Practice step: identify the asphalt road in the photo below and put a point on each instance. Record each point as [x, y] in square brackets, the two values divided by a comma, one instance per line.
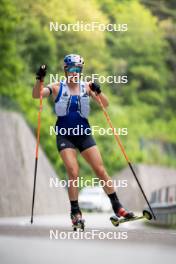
[51, 240]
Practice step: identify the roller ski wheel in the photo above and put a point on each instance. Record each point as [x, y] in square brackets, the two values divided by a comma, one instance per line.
[78, 222]
[114, 220]
[117, 219]
[147, 215]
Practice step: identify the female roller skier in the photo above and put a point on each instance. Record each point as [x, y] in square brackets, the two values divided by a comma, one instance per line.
[71, 99]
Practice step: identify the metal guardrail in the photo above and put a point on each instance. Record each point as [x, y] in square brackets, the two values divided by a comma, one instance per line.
[165, 214]
[163, 202]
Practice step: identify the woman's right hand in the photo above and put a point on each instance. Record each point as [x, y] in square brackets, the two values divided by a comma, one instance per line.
[52, 88]
[41, 72]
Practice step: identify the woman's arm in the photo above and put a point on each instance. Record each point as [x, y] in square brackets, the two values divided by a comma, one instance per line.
[46, 91]
[50, 89]
[36, 90]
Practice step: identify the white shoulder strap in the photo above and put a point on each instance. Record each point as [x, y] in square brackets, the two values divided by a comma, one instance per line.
[65, 89]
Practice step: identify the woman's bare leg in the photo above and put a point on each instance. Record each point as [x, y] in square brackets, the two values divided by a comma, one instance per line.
[93, 157]
[69, 157]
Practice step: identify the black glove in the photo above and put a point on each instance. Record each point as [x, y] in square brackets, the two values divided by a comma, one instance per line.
[95, 87]
[41, 72]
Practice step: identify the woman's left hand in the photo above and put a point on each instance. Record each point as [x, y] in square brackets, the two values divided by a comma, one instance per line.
[95, 87]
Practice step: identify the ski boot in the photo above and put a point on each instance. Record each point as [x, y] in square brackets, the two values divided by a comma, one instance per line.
[121, 214]
[124, 213]
[77, 221]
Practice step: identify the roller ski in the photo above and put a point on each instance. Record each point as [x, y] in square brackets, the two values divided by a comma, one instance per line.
[77, 222]
[129, 216]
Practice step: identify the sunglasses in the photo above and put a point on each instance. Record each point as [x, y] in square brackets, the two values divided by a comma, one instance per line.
[74, 69]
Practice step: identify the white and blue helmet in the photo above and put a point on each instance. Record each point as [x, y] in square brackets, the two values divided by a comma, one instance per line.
[73, 60]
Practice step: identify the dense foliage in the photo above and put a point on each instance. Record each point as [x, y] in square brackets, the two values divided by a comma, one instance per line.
[145, 53]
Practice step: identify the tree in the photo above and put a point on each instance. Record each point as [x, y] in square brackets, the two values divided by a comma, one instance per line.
[11, 64]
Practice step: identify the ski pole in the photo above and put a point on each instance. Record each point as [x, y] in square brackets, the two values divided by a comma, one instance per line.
[124, 153]
[36, 152]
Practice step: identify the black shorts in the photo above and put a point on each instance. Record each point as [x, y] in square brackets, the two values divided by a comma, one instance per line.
[76, 142]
